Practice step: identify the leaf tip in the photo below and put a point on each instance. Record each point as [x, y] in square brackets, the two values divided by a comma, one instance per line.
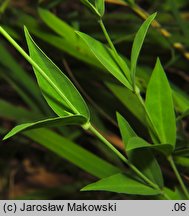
[6, 137]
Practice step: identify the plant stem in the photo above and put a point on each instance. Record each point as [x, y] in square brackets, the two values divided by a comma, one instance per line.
[108, 37]
[123, 158]
[116, 55]
[171, 161]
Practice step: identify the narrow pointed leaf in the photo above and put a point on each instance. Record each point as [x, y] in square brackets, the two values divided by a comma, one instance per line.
[91, 7]
[62, 146]
[105, 56]
[60, 93]
[51, 122]
[126, 131]
[159, 103]
[121, 183]
[139, 143]
[100, 6]
[138, 42]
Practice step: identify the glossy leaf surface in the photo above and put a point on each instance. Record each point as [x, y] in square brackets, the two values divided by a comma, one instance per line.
[159, 103]
[105, 56]
[60, 93]
[138, 42]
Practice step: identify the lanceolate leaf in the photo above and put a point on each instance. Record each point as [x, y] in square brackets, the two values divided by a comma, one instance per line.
[121, 183]
[100, 6]
[91, 7]
[137, 44]
[159, 103]
[51, 122]
[57, 89]
[126, 131]
[105, 56]
[139, 143]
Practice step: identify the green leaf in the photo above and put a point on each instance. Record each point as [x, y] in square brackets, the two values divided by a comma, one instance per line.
[176, 194]
[120, 183]
[148, 166]
[91, 7]
[60, 93]
[137, 44]
[105, 56]
[77, 50]
[100, 6]
[137, 143]
[61, 146]
[51, 122]
[126, 131]
[72, 152]
[159, 104]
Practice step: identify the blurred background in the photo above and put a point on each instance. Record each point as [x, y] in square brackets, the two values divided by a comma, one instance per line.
[33, 166]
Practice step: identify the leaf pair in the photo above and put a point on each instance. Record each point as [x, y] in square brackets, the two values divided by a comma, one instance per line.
[59, 92]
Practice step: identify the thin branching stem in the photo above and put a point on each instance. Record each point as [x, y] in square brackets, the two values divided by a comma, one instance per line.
[152, 126]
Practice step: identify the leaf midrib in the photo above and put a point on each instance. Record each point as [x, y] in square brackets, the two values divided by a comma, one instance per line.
[53, 85]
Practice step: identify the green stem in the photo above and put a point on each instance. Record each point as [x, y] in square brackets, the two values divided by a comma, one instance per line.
[35, 65]
[171, 161]
[108, 37]
[115, 53]
[122, 157]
